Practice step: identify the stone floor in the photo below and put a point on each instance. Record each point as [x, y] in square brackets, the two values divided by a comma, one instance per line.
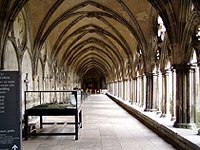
[106, 126]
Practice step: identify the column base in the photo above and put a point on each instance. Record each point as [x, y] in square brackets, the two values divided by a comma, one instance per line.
[198, 132]
[165, 115]
[185, 125]
[150, 109]
[173, 118]
[158, 112]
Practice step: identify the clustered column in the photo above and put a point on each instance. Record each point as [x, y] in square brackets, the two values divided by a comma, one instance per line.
[184, 96]
[149, 90]
[173, 103]
[174, 93]
[166, 94]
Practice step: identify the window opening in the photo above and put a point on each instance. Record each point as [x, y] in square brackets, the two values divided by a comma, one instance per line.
[198, 33]
[161, 29]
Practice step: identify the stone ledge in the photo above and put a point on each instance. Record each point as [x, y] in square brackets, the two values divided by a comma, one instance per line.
[170, 136]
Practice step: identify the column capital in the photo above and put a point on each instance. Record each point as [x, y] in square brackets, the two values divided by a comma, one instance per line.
[151, 74]
[165, 71]
[134, 78]
[148, 74]
[125, 79]
[182, 67]
[35, 77]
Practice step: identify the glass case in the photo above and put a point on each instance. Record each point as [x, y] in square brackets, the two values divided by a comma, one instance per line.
[53, 99]
[53, 103]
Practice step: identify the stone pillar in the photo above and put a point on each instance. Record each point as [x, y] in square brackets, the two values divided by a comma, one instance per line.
[131, 90]
[137, 90]
[165, 100]
[191, 96]
[128, 90]
[118, 89]
[159, 103]
[35, 96]
[26, 81]
[115, 88]
[197, 101]
[123, 89]
[34, 83]
[155, 92]
[143, 89]
[149, 93]
[134, 82]
[173, 104]
[184, 100]
[38, 83]
[44, 87]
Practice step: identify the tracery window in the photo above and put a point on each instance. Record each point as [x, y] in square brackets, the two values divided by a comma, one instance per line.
[139, 55]
[157, 56]
[161, 29]
[198, 33]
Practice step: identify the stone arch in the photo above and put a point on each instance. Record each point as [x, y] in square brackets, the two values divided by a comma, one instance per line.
[46, 76]
[39, 77]
[26, 76]
[10, 57]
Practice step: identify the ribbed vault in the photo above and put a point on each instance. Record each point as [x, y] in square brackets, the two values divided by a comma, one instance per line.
[85, 26]
[89, 35]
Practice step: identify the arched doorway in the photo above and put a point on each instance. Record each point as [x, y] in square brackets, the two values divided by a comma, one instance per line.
[93, 81]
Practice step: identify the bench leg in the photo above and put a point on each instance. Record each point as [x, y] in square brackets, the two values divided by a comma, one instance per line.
[76, 126]
[41, 125]
[80, 118]
[26, 127]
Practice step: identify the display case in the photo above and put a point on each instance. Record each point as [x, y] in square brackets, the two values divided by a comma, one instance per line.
[53, 103]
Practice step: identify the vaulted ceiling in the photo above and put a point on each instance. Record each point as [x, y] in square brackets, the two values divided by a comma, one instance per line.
[82, 34]
[88, 34]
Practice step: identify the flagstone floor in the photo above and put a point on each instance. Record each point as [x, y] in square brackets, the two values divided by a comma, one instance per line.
[106, 126]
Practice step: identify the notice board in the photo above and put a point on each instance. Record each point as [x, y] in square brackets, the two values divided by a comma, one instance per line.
[10, 110]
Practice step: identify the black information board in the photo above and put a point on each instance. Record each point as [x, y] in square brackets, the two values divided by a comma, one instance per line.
[10, 110]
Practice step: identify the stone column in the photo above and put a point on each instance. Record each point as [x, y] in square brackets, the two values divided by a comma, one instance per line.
[35, 86]
[44, 80]
[26, 81]
[143, 89]
[123, 89]
[118, 88]
[149, 93]
[155, 92]
[166, 100]
[131, 90]
[139, 90]
[191, 96]
[128, 90]
[34, 83]
[196, 100]
[173, 104]
[115, 88]
[38, 82]
[183, 97]
[134, 90]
